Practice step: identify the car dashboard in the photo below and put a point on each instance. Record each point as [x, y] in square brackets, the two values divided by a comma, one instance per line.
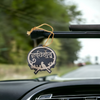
[46, 90]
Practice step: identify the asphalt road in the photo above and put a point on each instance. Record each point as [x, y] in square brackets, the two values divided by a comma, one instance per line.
[85, 71]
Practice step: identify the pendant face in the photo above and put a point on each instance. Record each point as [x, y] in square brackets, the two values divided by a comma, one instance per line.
[41, 59]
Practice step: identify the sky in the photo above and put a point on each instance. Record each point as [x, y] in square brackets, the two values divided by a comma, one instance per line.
[91, 13]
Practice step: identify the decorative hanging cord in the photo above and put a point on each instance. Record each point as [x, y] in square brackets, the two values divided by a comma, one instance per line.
[38, 28]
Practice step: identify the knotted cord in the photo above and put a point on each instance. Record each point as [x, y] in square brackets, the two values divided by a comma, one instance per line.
[38, 28]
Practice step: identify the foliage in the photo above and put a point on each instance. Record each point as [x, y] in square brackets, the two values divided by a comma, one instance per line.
[18, 16]
[56, 46]
[70, 48]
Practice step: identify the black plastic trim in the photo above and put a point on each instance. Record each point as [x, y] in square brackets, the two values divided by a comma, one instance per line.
[82, 83]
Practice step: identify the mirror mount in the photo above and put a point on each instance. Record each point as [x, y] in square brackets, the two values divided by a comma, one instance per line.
[76, 31]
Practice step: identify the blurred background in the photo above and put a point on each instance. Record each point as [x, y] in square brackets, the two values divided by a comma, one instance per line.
[19, 16]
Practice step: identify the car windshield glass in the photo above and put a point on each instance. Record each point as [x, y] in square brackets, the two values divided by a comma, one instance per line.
[76, 57]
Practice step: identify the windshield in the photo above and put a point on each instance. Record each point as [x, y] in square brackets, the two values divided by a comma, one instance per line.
[77, 58]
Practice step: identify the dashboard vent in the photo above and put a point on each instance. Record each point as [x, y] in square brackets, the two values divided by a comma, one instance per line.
[64, 97]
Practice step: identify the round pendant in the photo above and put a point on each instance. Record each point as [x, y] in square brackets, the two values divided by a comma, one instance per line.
[41, 59]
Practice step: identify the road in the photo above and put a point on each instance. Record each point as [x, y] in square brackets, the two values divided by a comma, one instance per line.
[85, 71]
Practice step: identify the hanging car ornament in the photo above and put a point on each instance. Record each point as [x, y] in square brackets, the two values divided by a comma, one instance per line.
[42, 58]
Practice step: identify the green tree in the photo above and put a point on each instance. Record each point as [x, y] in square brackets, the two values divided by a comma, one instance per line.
[70, 48]
[19, 16]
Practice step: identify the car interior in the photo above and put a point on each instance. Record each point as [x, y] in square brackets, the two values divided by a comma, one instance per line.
[43, 89]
